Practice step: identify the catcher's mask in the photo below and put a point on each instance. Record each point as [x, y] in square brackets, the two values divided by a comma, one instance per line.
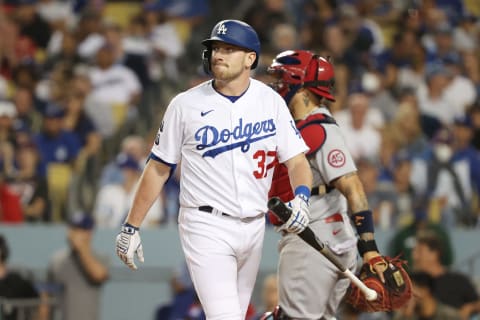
[234, 32]
[295, 69]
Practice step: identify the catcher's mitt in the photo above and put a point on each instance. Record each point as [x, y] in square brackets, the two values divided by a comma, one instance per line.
[393, 294]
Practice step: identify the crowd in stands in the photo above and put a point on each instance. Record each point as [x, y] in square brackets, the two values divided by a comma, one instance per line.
[78, 83]
[83, 91]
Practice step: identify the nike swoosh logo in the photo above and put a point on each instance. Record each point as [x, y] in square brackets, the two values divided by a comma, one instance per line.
[204, 113]
[335, 232]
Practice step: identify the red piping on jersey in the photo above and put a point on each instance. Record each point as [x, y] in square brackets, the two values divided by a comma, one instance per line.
[336, 217]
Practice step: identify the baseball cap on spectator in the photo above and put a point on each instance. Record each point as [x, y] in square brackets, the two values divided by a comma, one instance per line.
[434, 69]
[26, 2]
[443, 136]
[126, 161]
[464, 121]
[81, 220]
[452, 58]
[401, 157]
[7, 109]
[53, 110]
[155, 5]
[444, 29]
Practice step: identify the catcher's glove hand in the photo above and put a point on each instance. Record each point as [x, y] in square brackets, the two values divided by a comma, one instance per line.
[393, 294]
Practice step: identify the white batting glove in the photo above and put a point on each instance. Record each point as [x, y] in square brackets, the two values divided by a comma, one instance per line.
[128, 244]
[299, 219]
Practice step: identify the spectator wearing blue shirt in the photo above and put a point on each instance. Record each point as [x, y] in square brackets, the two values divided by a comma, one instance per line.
[56, 145]
[58, 150]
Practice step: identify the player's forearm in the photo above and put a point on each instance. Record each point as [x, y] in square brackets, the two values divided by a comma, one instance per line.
[151, 183]
[94, 269]
[351, 187]
[299, 172]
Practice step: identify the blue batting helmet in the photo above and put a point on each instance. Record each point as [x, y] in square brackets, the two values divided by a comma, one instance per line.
[235, 32]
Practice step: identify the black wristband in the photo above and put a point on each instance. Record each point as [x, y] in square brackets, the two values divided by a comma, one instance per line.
[129, 229]
[366, 245]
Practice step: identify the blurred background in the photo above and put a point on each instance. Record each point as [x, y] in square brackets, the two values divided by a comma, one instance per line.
[83, 88]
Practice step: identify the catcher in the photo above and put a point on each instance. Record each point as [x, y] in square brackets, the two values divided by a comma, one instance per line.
[310, 286]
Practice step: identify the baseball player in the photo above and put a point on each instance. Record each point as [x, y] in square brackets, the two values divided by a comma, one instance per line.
[226, 134]
[310, 286]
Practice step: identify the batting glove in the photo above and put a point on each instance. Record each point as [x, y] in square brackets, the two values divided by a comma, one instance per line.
[128, 244]
[299, 219]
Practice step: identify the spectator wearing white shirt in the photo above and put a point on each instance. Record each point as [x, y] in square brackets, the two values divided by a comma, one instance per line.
[114, 200]
[115, 93]
[360, 124]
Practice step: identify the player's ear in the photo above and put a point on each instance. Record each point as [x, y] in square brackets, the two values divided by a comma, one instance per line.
[250, 58]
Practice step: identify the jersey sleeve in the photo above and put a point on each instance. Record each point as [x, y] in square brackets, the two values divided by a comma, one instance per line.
[333, 158]
[168, 142]
[290, 141]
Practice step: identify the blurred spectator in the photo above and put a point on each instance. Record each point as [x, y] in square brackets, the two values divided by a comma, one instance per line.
[88, 162]
[381, 100]
[405, 238]
[283, 37]
[448, 178]
[166, 42]
[184, 302]
[404, 202]
[264, 16]
[359, 125]
[114, 200]
[28, 115]
[58, 149]
[13, 285]
[368, 174]
[138, 48]
[431, 96]
[451, 288]
[424, 305]
[269, 295]
[88, 33]
[466, 33]
[471, 68]
[79, 271]
[429, 124]
[408, 126]
[474, 114]
[132, 145]
[115, 93]
[402, 63]
[58, 14]
[461, 91]
[31, 24]
[335, 46]
[8, 113]
[31, 188]
[66, 53]
[442, 46]
[364, 39]
[76, 120]
[10, 203]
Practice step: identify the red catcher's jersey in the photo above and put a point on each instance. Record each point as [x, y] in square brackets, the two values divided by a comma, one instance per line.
[313, 133]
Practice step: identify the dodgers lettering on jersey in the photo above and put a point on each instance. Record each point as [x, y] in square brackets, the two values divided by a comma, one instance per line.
[227, 150]
[242, 136]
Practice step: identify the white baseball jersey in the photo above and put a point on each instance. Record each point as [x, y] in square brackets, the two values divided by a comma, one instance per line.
[227, 150]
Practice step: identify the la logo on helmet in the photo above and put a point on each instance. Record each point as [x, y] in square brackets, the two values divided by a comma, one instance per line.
[222, 29]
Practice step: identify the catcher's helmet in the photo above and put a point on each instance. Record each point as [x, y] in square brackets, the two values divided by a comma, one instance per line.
[297, 69]
[233, 32]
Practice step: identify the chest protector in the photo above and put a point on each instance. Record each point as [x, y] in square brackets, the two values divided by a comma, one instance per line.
[314, 135]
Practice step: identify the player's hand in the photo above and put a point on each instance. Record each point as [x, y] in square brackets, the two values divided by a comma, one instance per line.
[128, 244]
[299, 219]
